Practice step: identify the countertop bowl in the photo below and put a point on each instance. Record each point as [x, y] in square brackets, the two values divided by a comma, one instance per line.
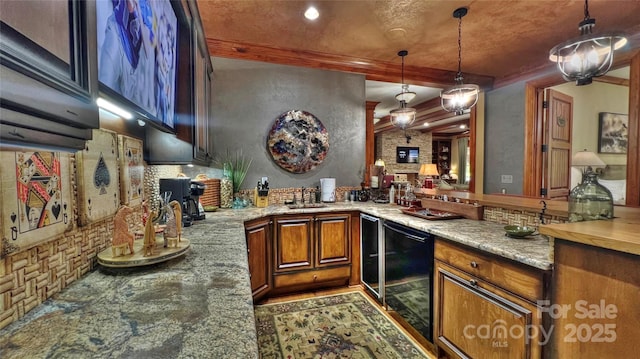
[519, 231]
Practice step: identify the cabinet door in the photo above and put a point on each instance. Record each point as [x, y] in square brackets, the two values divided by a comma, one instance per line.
[333, 243]
[258, 237]
[202, 83]
[48, 72]
[293, 244]
[476, 320]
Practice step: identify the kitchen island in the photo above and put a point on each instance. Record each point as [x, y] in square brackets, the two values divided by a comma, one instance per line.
[200, 306]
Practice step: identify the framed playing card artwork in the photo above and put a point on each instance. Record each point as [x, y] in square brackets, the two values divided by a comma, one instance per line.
[98, 182]
[131, 170]
[37, 202]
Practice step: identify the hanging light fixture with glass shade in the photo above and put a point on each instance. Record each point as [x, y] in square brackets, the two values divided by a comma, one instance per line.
[460, 97]
[588, 55]
[403, 116]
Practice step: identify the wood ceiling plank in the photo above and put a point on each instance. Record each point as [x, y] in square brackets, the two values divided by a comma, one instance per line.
[374, 70]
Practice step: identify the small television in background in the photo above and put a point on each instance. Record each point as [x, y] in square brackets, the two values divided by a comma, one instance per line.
[138, 56]
[407, 154]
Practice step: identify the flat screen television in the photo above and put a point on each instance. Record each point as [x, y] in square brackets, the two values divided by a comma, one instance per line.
[407, 154]
[138, 50]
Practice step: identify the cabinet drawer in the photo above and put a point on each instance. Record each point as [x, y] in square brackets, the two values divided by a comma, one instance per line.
[527, 282]
[311, 276]
[474, 319]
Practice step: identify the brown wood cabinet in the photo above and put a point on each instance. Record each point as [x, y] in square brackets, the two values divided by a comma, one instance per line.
[311, 250]
[596, 302]
[485, 306]
[258, 237]
[441, 152]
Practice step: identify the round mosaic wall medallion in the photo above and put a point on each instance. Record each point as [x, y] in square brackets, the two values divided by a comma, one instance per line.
[298, 141]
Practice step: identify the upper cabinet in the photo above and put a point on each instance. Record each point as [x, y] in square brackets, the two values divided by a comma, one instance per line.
[190, 144]
[442, 155]
[202, 92]
[48, 73]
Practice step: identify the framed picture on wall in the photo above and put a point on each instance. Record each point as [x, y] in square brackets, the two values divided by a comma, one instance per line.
[407, 154]
[613, 132]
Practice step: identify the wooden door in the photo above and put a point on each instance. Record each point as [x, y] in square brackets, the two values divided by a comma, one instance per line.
[293, 244]
[557, 156]
[258, 237]
[333, 243]
[474, 319]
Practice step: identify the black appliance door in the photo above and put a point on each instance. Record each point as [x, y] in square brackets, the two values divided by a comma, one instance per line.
[370, 259]
[408, 286]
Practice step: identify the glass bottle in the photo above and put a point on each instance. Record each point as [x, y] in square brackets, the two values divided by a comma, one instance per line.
[590, 200]
[226, 187]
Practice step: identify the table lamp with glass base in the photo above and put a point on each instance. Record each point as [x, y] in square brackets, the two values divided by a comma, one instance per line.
[431, 171]
[589, 200]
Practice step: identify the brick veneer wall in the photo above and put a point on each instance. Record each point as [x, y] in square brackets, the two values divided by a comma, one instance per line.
[387, 142]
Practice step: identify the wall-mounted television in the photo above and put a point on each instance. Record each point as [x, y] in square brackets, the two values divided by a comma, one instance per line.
[407, 154]
[138, 49]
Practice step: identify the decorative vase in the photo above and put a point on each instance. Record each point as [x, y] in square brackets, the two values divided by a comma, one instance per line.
[226, 187]
[590, 200]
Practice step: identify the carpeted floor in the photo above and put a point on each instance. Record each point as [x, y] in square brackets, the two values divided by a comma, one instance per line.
[345, 325]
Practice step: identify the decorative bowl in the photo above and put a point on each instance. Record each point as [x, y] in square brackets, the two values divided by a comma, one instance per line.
[519, 231]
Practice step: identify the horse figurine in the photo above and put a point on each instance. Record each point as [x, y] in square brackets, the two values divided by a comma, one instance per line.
[149, 236]
[121, 236]
[173, 229]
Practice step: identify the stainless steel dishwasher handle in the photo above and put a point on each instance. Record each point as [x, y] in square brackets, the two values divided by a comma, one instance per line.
[371, 218]
[406, 234]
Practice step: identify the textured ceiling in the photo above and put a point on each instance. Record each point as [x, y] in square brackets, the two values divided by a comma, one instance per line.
[500, 38]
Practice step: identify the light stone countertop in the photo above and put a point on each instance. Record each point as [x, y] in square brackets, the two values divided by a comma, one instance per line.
[200, 305]
[534, 251]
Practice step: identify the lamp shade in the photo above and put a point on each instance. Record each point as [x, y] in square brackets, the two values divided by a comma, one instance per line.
[429, 169]
[379, 162]
[586, 158]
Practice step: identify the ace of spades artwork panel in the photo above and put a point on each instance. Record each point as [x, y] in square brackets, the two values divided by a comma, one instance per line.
[37, 202]
[98, 177]
[131, 170]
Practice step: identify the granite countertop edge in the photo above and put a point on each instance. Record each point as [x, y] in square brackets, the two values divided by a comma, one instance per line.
[535, 251]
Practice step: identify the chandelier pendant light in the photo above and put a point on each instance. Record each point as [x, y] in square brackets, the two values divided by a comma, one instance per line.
[588, 55]
[459, 97]
[403, 116]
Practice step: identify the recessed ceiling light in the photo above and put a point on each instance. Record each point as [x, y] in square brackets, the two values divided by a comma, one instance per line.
[426, 124]
[311, 13]
[463, 126]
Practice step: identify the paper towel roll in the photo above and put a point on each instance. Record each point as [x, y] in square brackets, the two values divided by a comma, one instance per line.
[328, 189]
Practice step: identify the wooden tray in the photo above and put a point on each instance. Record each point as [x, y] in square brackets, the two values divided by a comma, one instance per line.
[467, 210]
[430, 214]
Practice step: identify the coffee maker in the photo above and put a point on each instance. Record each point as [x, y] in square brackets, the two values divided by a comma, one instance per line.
[193, 204]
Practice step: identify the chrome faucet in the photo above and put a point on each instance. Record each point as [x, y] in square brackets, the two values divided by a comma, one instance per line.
[302, 195]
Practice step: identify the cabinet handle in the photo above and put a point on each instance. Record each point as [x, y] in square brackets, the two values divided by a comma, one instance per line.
[315, 277]
[473, 282]
[474, 264]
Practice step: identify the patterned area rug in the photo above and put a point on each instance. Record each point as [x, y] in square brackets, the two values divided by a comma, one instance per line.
[408, 299]
[340, 326]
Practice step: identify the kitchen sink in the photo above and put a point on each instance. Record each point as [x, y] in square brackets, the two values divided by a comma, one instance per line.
[306, 205]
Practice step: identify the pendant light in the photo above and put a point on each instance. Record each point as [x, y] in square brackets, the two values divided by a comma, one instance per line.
[588, 55]
[403, 116]
[460, 97]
